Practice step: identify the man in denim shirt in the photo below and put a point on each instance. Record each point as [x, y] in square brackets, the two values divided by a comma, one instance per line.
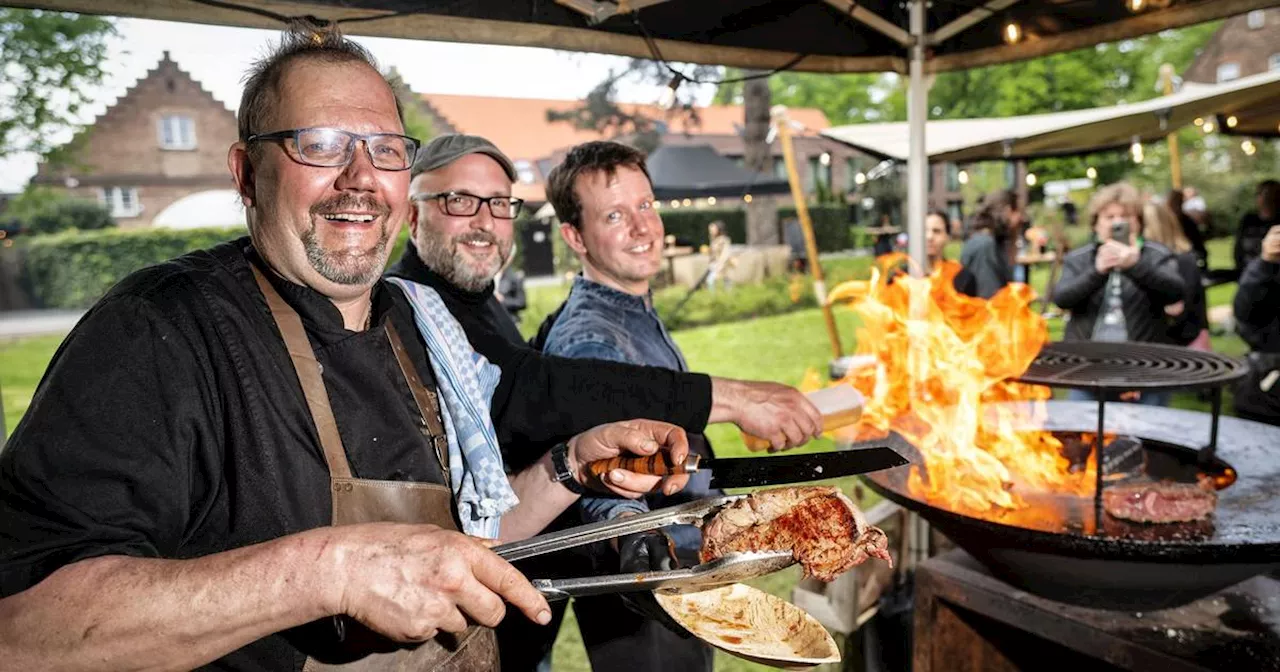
[604, 199]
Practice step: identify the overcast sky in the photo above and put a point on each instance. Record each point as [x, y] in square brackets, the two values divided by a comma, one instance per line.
[216, 56]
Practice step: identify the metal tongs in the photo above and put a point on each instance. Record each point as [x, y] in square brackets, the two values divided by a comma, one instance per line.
[731, 568]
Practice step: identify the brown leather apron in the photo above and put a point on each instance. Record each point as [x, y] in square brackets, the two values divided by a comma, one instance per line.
[360, 500]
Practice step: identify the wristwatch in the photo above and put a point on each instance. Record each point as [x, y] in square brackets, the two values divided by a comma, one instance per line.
[560, 466]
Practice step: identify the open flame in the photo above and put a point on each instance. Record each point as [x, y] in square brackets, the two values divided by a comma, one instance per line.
[942, 362]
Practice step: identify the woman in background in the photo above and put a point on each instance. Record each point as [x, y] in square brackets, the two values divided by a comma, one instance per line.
[1189, 319]
[937, 235]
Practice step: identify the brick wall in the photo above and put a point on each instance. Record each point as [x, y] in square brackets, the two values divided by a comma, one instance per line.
[1236, 42]
[122, 148]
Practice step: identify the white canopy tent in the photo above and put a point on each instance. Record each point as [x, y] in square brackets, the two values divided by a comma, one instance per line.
[1063, 133]
[217, 207]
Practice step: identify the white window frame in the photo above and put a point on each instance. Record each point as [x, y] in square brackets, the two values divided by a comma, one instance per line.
[1228, 71]
[1257, 19]
[121, 201]
[177, 132]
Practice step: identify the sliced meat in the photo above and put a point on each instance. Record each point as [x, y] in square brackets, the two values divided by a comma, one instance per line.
[823, 529]
[1163, 502]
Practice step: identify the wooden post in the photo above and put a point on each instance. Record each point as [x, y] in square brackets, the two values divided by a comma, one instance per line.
[783, 124]
[1175, 160]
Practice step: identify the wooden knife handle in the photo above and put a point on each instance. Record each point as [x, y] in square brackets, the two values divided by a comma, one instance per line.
[657, 464]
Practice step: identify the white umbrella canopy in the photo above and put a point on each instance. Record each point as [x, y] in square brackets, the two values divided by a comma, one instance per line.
[218, 207]
[1075, 132]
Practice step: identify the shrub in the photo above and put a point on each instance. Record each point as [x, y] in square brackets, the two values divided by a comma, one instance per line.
[74, 269]
[77, 214]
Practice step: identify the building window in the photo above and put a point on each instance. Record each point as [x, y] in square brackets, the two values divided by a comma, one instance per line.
[955, 213]
[177, 132]
[850, 174]
[524, 172]
[953, 176]
[780, 168]
[121, 201]
[819, 174]
[1273, 62]
[1257, 19]
[1228, 71]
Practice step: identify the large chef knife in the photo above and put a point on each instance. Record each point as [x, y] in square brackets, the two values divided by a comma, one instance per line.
[747, 472]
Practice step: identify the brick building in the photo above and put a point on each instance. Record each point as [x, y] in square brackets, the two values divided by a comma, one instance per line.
[520, 127]
[1248, 44]
[164, 139]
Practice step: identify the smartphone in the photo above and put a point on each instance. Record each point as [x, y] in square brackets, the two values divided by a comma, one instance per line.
[1120, 231]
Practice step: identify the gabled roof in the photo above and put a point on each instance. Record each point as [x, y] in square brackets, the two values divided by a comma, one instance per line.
[519, 126]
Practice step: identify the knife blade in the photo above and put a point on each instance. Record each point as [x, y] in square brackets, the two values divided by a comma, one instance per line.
[747, 472]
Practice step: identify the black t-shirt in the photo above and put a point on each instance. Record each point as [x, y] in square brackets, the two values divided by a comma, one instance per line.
[171, 424]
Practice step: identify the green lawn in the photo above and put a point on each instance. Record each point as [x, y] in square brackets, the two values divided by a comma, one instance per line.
[779, 348]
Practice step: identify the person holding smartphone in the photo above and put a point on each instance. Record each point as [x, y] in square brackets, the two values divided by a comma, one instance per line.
[1117, 287]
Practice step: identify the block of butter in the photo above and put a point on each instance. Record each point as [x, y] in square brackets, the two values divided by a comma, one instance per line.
[840, 406]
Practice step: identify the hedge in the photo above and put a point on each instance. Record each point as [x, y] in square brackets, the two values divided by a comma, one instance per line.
[831, 225]
[74, 269]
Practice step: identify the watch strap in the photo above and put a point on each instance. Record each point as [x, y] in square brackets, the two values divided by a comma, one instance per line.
[560, 467]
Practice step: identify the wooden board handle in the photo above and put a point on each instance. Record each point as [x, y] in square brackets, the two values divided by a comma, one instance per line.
[840, 406]
[657, 464]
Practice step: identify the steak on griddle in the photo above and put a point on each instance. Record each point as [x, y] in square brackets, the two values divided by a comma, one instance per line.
[1163, 502]
[823, 529]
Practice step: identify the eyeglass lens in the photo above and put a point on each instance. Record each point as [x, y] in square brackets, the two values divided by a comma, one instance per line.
[466, 205]
[330, 147]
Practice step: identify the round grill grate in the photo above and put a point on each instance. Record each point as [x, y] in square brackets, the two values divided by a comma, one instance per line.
[1101, 366]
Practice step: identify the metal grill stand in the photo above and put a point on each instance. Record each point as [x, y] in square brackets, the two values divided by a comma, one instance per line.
[1103, 368]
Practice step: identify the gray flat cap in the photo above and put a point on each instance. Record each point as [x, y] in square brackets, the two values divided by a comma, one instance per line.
[445, 149]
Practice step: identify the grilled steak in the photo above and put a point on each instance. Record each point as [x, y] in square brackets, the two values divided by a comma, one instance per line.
[1163, 502]
[823, 529]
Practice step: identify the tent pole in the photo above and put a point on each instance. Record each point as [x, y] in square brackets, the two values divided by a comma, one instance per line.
[782, 123]
[917, 161]
[1175, 159]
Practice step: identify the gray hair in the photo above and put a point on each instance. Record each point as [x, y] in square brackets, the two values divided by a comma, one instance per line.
[301, 40]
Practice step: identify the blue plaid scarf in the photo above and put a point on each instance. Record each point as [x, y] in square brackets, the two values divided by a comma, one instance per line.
[466, 381]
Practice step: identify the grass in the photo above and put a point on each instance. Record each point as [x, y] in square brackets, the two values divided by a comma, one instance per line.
[779, 348]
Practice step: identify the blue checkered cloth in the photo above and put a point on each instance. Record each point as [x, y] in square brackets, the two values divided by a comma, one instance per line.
[466, 381]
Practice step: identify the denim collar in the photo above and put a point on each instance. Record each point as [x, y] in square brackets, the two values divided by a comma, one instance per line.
[615, 298]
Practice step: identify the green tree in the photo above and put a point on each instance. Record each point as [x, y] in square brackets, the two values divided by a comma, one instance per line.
[416, 122]
[52, 62]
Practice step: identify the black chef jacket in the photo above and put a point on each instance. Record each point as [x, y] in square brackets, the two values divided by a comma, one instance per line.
[622, 391]
[171, 424]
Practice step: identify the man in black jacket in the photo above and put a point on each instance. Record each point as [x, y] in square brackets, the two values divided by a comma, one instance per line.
[461, 228]
[1257, 313]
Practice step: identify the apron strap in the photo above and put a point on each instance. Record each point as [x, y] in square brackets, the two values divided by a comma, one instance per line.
[308, 369]
[428, 404]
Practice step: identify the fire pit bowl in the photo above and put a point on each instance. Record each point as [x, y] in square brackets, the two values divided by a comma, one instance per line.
[1054, 548]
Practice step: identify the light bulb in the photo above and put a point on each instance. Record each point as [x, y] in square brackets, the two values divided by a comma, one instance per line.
[824, 158]
[860, 178]
[1208, 127]
[1199, 121]
[1012, 32]
[1091, 173]
[686, 202]
[1031, 179]
[675, 203]
[1232, 121]
[747, 198]
[711, 200]
[1135, 5]
[962, 177]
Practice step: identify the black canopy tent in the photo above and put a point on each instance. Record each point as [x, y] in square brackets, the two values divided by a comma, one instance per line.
[697, 171]
[907, 36]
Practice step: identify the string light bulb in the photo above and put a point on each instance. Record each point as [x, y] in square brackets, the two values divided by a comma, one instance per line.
[711, 200]
[1012, 32]
[1248, 147]
[1136, 150]
[667, 100]
[675, 203]
[860, 179]
[1135, 6]
[747, 198]
[686, 202]
[1031, 179]
[1232, 121]
[1091, 173]
[1208, 127]
[1199, 121]
[962, 177]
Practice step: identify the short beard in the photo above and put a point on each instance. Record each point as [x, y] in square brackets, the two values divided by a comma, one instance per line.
[446, 258]
[343, 267]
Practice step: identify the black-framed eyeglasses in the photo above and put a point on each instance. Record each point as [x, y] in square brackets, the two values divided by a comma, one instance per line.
[462, 204]
[334, 147]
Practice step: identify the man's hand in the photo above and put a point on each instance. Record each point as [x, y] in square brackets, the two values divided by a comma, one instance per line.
[409, 582]
[1271, 245]
[777, 413]
[1115, 256]
[629, 438]
[1175, 309]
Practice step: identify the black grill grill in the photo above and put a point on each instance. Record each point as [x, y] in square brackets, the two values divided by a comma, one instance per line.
[1106, 367]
